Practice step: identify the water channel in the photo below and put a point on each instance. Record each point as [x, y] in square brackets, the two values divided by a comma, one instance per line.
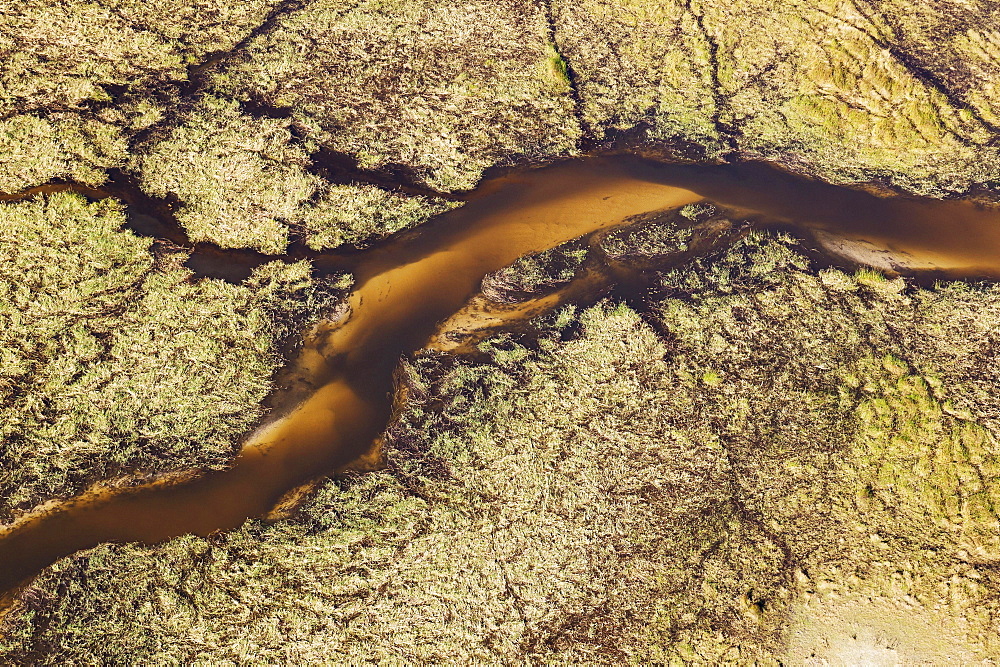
[342, 380]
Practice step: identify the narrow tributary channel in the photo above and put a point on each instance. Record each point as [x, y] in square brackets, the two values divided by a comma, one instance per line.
[407, 286]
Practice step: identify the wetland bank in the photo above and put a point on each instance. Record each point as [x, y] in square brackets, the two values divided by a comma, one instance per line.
[340, 384]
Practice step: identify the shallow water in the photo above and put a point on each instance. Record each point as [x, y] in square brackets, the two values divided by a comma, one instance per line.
[957, 238]
[341, 384]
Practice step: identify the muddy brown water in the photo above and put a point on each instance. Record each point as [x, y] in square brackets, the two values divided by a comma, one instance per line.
[343, 378]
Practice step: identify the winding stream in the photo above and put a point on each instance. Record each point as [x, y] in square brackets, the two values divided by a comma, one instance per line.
[342, 380]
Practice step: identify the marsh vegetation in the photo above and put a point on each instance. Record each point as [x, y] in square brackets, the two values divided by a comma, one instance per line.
[663, 484]
[732, 440]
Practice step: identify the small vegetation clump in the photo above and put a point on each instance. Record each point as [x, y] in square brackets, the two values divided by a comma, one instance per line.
[665, 237]
[536, 273]
[690, 483]
[240, 179]
[358, 214]
[34, 150]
